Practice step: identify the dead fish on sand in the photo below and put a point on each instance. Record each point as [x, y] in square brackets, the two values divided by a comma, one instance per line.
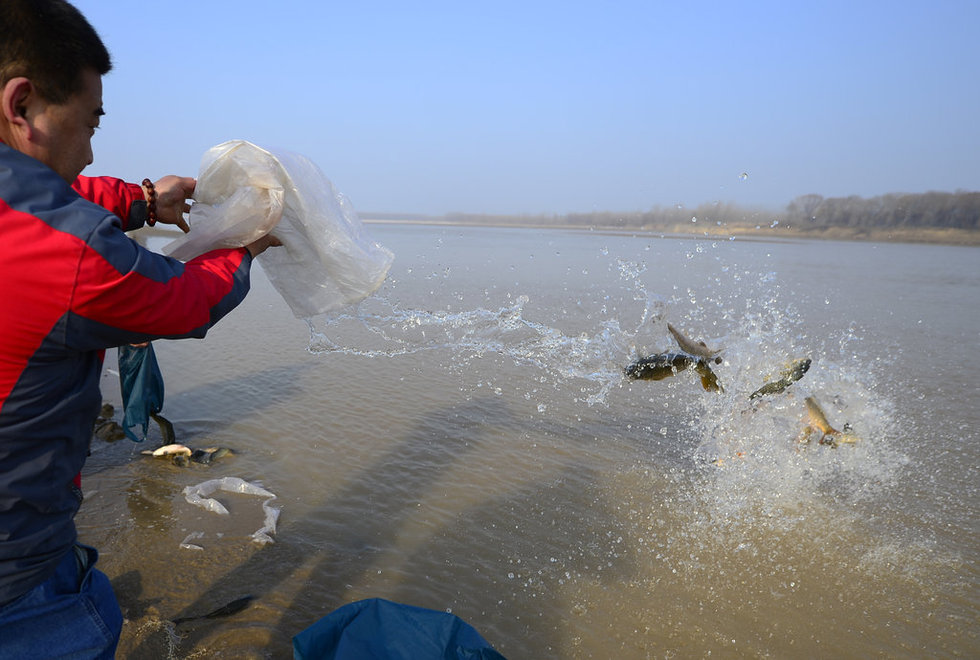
[664, 365]
[698, 349]
[817, 421]
[787, 377]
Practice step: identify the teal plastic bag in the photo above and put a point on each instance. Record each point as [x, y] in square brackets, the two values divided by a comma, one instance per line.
[141, 384]
[378, 629]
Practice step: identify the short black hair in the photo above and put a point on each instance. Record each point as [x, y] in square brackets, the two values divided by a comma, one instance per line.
[51, 43]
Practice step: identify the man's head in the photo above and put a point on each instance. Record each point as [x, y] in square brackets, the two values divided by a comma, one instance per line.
[51, 67]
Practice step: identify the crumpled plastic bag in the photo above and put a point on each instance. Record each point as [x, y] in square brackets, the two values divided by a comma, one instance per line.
[199, 495]
[238, 200]
[327, 261]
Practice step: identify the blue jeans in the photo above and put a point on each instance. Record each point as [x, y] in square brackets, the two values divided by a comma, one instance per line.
[74, 614]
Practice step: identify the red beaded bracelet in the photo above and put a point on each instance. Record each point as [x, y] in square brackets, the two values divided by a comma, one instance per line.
[151, 202]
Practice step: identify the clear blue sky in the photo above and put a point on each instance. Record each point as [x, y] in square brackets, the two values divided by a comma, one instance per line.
[553, 107]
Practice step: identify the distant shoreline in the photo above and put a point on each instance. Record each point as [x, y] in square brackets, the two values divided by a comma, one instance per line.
[927, 236]
[922, 236]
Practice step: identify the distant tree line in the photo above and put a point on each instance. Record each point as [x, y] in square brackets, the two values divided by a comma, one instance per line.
[930, 210]
[939, 210]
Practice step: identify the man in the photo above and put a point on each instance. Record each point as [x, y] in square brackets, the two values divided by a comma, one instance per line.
[71, 285]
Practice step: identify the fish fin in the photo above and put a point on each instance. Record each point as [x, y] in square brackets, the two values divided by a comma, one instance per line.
[709, 381]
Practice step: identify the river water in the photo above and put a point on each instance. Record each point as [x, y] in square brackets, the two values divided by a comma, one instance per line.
[466, 441]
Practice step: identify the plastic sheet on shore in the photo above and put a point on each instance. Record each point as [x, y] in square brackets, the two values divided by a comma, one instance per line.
[200, 495]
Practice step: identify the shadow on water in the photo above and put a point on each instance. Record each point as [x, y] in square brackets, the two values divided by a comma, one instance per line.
[515, 595]
[437, 442]
[243, 397]
[238, 398]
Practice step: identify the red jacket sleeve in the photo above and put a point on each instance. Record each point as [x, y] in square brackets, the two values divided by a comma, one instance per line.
[126, 294]
[113, 194]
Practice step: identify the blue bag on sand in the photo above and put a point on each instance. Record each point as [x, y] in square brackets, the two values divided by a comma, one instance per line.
[142, 388]
[378, 629]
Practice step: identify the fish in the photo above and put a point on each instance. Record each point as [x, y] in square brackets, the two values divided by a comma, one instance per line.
[792, 373]
[169, 450]
[166, 428]
[699, 349]
[109, 431]
[664, 365]
[181, 455]
[818, 421]
[205, 456]
[234, 607]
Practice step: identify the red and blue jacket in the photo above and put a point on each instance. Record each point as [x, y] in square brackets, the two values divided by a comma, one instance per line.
[72, 284]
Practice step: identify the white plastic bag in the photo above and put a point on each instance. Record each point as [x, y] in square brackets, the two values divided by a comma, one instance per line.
[327, 260]
[199, 495]
[238, 199]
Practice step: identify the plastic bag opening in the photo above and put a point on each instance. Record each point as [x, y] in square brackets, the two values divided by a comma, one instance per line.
[327, 260]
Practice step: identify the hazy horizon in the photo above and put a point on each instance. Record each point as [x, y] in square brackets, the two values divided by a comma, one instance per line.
[554, 108]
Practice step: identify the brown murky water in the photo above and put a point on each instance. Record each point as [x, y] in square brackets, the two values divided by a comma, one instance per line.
[466, 442]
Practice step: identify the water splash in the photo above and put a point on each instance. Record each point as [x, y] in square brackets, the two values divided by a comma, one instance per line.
[386, 331]
[582, 354]
[588, 359]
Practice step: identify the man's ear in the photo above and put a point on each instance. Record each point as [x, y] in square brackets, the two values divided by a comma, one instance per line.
[15, 100]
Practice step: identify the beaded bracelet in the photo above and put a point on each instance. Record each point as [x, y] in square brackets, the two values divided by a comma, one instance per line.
[151, 202]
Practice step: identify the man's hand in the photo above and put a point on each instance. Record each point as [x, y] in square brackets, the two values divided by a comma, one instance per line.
[257, 247]
[172, 195]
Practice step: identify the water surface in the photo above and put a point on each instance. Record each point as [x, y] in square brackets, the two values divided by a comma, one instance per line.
[465, 441]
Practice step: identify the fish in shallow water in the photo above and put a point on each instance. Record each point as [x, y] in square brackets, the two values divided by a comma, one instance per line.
[699, 349]
[205, 456]
[169, 450]
[664, 365]
[166, 428]
[817, 421]
[109, 431]
[233, 607]
[181, 455]
[787, 377]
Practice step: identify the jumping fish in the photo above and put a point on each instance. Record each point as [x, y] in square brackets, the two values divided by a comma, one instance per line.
[818, 421]
[664, 365]
[699, 349]
[787, 377]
